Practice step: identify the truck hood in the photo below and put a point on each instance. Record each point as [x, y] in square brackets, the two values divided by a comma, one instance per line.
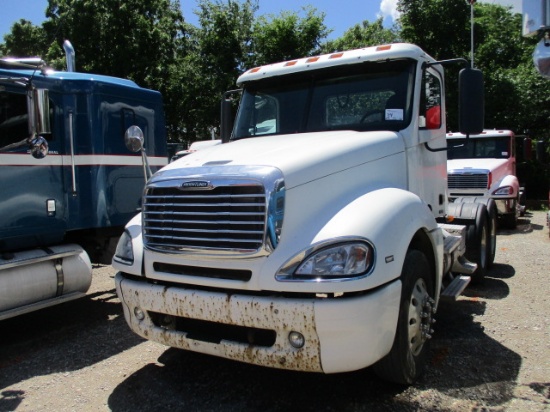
[475, 164]
[301, 157]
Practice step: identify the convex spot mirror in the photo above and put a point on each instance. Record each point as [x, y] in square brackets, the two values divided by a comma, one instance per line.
[133, 139]
[39, 147]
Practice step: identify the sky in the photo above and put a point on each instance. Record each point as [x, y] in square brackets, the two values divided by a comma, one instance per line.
[340, 15]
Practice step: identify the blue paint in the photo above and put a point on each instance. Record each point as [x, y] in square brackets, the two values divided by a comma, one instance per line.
[107, 195]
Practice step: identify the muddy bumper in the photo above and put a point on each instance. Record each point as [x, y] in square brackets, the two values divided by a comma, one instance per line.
[338, 334]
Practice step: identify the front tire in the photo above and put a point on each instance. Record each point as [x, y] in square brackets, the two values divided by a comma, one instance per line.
[408, 355]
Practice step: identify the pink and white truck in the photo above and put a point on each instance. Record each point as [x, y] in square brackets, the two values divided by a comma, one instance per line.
[484, 165]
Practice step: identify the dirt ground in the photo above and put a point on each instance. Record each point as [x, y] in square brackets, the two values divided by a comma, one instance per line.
[490, 352]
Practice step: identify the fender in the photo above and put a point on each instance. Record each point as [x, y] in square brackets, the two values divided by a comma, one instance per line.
[389, 218]
[509, 180]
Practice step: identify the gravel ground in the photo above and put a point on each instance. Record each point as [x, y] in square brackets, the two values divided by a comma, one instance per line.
[490, 352]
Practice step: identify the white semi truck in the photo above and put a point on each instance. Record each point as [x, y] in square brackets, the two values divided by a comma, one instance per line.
[484, 165]
[318, 236]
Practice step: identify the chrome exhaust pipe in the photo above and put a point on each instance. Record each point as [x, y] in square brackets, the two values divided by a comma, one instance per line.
[69, 54]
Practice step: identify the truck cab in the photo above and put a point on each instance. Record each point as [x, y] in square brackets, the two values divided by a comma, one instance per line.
[484, 165]
[69, 182]
[314, 238]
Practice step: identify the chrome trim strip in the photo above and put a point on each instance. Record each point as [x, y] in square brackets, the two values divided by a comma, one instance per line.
[71, 140]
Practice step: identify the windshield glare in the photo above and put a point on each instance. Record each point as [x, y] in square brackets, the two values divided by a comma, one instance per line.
[368, 96]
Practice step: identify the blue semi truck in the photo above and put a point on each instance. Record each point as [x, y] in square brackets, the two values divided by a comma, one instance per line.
[72, 170]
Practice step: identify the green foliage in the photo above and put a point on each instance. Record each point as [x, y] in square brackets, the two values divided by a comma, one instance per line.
[24, 40]
[213, 64]
[516, 97]
[440, 27]
[287, 37]
[135, 39]
[363, 35]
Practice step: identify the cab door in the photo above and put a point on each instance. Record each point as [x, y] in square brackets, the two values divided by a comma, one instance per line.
[32, 190]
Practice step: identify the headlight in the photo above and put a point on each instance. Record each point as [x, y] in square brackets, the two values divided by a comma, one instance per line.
[506, 190]
[124, 253]
[342, 261]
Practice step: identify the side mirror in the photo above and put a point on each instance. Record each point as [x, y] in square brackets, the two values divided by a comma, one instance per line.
[471, 101]
[38, 106]
[227, 118]
[134, 141]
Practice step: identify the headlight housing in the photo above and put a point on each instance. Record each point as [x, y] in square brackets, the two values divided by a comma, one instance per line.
[506, 190]
[334, 262]
[124, 252]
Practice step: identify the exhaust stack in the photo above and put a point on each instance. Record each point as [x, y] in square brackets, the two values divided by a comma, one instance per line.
[69, 53]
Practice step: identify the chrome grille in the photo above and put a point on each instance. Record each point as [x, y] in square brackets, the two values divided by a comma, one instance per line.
[467, 181]
[220, 218]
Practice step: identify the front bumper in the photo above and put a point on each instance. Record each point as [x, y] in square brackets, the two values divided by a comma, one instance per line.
[341, 334]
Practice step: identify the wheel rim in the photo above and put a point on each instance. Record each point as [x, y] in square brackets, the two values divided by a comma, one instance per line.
[420, 316]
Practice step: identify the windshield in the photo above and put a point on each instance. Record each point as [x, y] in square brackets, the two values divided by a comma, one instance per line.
[484, 148]
[368, 96]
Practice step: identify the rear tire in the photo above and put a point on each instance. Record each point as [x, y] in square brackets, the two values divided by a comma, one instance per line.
[492, 217]
[480, 236]
[408, 356]
[478, 244]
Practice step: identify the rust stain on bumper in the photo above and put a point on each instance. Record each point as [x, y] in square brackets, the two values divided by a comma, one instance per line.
[278, 314]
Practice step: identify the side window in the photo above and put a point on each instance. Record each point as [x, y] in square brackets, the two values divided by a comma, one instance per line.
[258, 115]
[14, 119]
[431, 105]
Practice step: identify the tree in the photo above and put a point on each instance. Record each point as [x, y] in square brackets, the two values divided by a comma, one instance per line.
[133, 39]
[363, 35]
[229, 40]
[287, 36]
[213, 63]
[440, 27]
[141, 40]
[498, 40]
[24, 40]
